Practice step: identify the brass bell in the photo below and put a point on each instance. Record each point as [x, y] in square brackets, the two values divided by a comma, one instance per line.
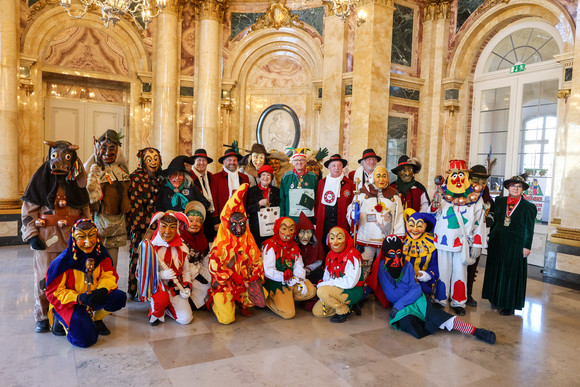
[62, 223]
[39, 222]
[62, 203]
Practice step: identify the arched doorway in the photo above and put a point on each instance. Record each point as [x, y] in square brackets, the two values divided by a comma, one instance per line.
[515, 114]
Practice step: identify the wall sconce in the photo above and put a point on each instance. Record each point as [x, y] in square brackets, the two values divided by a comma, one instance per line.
[361, 17]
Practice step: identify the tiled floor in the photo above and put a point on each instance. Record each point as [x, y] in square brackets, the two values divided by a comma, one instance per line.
[537, 347]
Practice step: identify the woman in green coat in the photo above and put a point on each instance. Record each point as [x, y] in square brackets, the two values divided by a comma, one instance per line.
[510, 241]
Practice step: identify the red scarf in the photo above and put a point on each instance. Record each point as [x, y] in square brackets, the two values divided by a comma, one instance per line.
[336, 262]
[289, 249]
[301, 174]
[265, 191]
[511, 201]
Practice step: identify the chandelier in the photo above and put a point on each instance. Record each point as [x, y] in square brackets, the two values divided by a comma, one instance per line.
[342, 8]
[142, 11]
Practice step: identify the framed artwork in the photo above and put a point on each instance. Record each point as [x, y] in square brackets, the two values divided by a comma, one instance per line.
[278, 128]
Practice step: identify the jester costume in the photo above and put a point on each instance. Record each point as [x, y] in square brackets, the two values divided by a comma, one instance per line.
[342, 282]
[66, 280]
[144, 191]
[168, 294]
[234, 262]
[284, 271]
[460, 226]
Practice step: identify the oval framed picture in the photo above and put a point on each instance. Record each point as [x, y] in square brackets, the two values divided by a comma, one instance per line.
[278, 128]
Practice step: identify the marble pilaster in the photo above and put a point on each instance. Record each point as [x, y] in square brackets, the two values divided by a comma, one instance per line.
[210, 13]
[430, 147]
[9, 52]
[331, 125]
[166, 61]
[371, 79]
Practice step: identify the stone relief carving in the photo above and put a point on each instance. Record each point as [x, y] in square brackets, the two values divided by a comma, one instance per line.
[278, 15]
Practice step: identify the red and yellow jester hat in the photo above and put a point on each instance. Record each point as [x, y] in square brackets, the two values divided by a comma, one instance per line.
[225, 240]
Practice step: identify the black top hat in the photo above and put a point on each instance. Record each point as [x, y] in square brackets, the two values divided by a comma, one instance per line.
[516, 179]
[230, 152]
[479, 171]
[405, 160]
[335, 157]
[201, 153]
[176, 165]
[369, 153]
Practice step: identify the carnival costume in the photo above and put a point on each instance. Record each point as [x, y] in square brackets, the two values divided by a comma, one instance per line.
[360, 176]
[143, 193]
[460, 226]
[163, 272]
[234, 263]
[176, 198]
[80, 297]
[421, 252]
[54, 200]
[298, 191]
[284, 271]
[342, 282]
[412, 193]
[224, 183]
[108, 184]
[393, 281]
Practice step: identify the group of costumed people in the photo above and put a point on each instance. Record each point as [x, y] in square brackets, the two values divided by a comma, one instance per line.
[269, 234]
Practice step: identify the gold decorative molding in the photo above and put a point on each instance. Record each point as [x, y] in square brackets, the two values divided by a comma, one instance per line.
[211, 9]
[566, 236]
[227, 106]
[7, 204]
[318, 106]
[277, 16]
[451, 106]
[491, 3]
[144, 100]
[564, 94]
[27, 87]
[556, 221]
[388, 3]
[39, 6]
[436, 10]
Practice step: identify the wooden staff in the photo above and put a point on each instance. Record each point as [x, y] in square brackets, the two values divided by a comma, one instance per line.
[357, 205]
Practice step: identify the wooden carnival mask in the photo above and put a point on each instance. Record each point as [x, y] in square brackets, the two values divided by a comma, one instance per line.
[337, 239]
[380, 177]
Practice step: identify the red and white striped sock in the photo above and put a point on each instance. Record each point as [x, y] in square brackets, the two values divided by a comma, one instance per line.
[462, 326]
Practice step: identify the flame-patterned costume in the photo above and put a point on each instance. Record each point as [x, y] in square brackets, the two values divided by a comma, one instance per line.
[234, 262]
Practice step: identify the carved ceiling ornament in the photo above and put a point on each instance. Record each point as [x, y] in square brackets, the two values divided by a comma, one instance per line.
[436, 9]
[277, 15]
[211, 9]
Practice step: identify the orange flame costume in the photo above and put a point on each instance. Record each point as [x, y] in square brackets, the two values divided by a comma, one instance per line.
[234, 262]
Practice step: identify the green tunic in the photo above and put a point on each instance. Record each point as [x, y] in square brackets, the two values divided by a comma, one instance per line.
[506, 269]
[291, 181]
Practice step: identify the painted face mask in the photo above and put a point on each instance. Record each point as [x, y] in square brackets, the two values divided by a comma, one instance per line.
[86, 240]
[458, 182]
[304, 236]
[238, 224]
[337, 239]
[108, 151]
[416, 227]
[152, 160]
[393, 252]
[167, 229]
[195, 222]
[287, 230]
[406, 173]
[176, 179]
[380, 177]
[258, 160]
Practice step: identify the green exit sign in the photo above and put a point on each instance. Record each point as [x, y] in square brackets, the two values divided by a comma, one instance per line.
[518, 68]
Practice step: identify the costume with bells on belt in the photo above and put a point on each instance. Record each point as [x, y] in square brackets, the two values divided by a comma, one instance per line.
[234, 261]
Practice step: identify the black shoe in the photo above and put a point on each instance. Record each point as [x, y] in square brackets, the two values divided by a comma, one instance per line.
[58, 329]
[339, 318]
[437, 305]
[493, 306]
[506, 312]
[155, 323]
[102, 328]
[42, 326]
[485, 335]
[470, 301]
[460, 311]
[356, 309]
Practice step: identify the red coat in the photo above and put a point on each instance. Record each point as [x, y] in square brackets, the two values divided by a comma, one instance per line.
[346, 194]
[220, 191]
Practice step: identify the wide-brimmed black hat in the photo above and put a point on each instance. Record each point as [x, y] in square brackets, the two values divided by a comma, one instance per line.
[516, 179]
[201, 153]
[230, 152]
[335, 157]
[369, 153]
[479, 171]
[406, 160]
[176, 165]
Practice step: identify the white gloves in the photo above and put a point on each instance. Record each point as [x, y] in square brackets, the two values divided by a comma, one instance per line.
[424, 277]
[185, 293]
[302, 287]
[292, 281]
[167, 274]
[475, 252]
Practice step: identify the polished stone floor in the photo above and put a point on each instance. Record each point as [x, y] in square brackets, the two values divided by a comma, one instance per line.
[537, 347]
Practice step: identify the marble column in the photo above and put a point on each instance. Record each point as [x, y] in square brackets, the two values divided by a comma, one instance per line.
[331, 130]
[9, 51]
[433, 63]
[569, 192]
[210, 14]
[371, 80]
[166, 59]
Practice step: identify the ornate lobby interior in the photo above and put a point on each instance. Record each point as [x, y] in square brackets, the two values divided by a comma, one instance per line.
[488, 81]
